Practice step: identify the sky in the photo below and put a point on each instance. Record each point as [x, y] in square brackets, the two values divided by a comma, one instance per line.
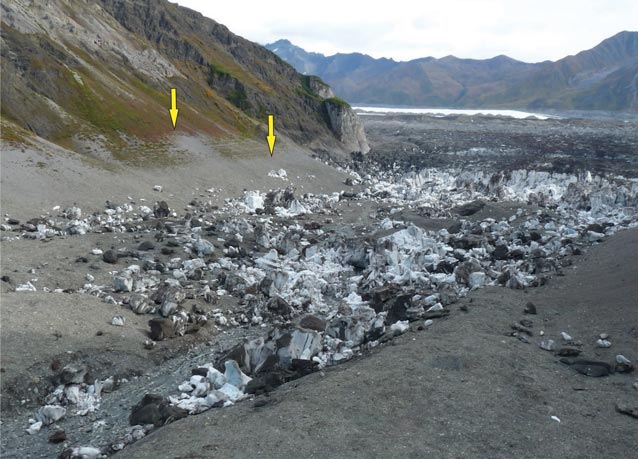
[527, 30]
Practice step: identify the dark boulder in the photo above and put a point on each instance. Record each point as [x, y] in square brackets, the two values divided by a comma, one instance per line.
[161, 210]
[312, 322]
[154, 409]
[110, 256]
[145, 246]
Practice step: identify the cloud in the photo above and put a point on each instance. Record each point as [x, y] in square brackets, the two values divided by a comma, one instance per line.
[528, 30]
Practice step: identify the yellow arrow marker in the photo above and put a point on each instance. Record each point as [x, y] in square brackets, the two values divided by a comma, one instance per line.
[173, 110]
[271, 137]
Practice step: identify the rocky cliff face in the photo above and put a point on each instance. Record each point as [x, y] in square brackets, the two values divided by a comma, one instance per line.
[317, 86]
[76, 70]
[346, 125]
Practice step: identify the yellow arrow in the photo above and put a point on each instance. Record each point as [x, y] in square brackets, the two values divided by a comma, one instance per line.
[173, 110]
[271, 137]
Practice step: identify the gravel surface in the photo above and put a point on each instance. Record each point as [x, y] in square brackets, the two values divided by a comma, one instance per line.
[559, 145]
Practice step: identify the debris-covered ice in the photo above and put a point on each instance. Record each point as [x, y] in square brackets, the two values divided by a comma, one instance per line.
[212, 388]
[318, 293]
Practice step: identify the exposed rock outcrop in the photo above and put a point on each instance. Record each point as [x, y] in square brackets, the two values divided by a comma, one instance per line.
[317, 86]
[345, 124]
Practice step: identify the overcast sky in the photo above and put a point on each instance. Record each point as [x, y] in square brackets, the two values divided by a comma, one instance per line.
[528, 30]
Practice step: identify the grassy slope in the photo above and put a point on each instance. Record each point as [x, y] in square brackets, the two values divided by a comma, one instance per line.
[102, 95]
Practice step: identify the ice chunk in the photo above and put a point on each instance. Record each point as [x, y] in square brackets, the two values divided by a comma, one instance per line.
[215, 377]
[280, 174]
[253, 200]
[400, 327]
[216, 396]
[34, 428]
[123, 283]
[232, 392]
[118, 321]
[296, 208]
[203, 247]
[302, 344]
[195, 263]
[28, 287]
[476, 280]
[268, 261]
[547, 345]
[185, 387]
[49, 414]
[603, 343]
[235, 376]
[86, 452]
[200, 387]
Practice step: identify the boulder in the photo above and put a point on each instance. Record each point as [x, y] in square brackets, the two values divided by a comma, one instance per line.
[161, 210]
[312, 322]
[73, 374]
[154, 409]
[146, 246]
[110, 256]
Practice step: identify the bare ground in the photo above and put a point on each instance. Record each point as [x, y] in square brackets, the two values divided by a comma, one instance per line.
[43, 175]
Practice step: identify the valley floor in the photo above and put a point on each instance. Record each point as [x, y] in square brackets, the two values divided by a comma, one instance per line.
[472, 382]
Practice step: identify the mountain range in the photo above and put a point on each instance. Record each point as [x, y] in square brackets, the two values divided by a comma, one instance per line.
[76, 71]
[602, 78]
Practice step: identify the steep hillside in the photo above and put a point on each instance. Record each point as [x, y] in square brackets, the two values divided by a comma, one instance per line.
[603, 78]
[346, 71]
[75, 71]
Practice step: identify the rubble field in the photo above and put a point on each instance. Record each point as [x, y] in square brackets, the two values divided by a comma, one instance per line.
[445, 268]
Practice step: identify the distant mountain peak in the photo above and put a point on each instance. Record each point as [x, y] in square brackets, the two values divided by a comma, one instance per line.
[599, 78]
